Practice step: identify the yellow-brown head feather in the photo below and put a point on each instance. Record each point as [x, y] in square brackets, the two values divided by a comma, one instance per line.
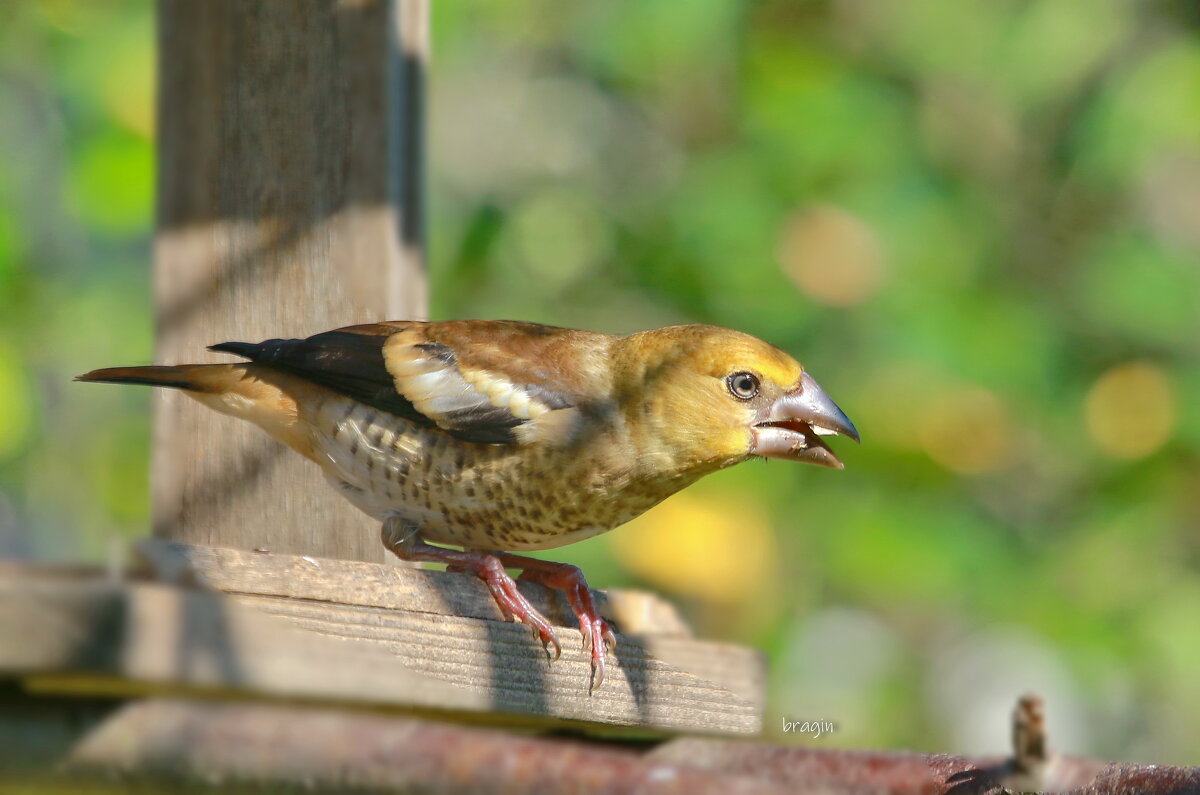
[674, 386]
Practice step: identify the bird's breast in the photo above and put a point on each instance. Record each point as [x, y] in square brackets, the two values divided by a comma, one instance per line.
[502, 496]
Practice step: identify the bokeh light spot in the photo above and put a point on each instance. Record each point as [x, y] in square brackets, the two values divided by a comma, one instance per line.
[128, 88]
[16, 414]
[712, 549]
[559, 236]
[112, 184]
[967, 430]
[1130, 410]
[831, 255]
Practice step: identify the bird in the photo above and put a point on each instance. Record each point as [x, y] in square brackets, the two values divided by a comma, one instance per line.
[474, 440]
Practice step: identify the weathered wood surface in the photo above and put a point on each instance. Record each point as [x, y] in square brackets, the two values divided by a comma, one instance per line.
[371, 585]
[180, 743]
[839, 772]
[288, 203]
[119, 638]
[68, 632]
[165, 744]
[654, 621]
[87, 634]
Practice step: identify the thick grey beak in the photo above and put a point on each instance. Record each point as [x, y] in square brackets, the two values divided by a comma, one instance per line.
[791, 427]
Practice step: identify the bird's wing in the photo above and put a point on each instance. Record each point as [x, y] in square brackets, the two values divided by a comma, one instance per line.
[497, 381]
[489, 382]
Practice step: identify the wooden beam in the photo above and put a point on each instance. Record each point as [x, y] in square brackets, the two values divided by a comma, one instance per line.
[106, 638]
[175, 742]
[171, 744]
[289, 190]
[370, 585]
[85, 635]
[302, 581]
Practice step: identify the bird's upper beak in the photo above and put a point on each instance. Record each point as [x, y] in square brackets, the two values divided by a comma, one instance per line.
[791, 428]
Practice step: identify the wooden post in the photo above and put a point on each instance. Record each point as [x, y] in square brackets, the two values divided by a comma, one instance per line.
[289, 202]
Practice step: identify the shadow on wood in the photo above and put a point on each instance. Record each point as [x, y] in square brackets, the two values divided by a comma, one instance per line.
[289, 202]
[386, 637]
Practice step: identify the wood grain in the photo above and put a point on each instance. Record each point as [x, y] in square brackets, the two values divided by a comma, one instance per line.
[91, 636]
[646, 624]
[283, 128]
[372, 585]
[174, 743]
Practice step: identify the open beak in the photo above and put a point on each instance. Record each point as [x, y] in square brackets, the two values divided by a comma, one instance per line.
[791, 428]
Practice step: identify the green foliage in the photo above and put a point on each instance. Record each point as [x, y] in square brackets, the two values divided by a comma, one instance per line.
[966, 217]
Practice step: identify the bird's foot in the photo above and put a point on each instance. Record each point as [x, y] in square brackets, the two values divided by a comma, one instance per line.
[509, 599]
[598, 635]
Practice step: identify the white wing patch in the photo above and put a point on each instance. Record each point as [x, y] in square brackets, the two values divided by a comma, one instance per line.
[455, 397]
[504, 394]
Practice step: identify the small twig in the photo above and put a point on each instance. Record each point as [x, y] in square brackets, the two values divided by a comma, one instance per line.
[1029, 760]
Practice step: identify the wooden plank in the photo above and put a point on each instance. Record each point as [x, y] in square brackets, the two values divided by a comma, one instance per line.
[847, 772]
[176, 742]
[88, 634]
[660, 629]
[373, 585]
[283, 204]
[140, 636]
[503, 660]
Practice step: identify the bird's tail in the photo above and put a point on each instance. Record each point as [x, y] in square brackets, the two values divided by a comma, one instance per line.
[247, 391]
[202, 378]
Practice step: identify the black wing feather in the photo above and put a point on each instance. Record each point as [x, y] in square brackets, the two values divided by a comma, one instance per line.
[348, 362]
[351, 362]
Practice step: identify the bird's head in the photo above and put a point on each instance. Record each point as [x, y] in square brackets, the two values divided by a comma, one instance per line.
[704, 397]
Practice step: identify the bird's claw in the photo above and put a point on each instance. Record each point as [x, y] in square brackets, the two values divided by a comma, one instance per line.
[515, 607]
[551, 643]
[597, 676]
[598, 636]
[594, 627]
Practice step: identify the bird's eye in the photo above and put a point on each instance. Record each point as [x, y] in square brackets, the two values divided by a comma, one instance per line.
[743, 385]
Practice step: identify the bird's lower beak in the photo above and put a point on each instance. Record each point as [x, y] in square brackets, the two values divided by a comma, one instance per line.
[791, 428]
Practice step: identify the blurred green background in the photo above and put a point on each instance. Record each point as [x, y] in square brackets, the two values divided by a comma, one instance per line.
[977, 222]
